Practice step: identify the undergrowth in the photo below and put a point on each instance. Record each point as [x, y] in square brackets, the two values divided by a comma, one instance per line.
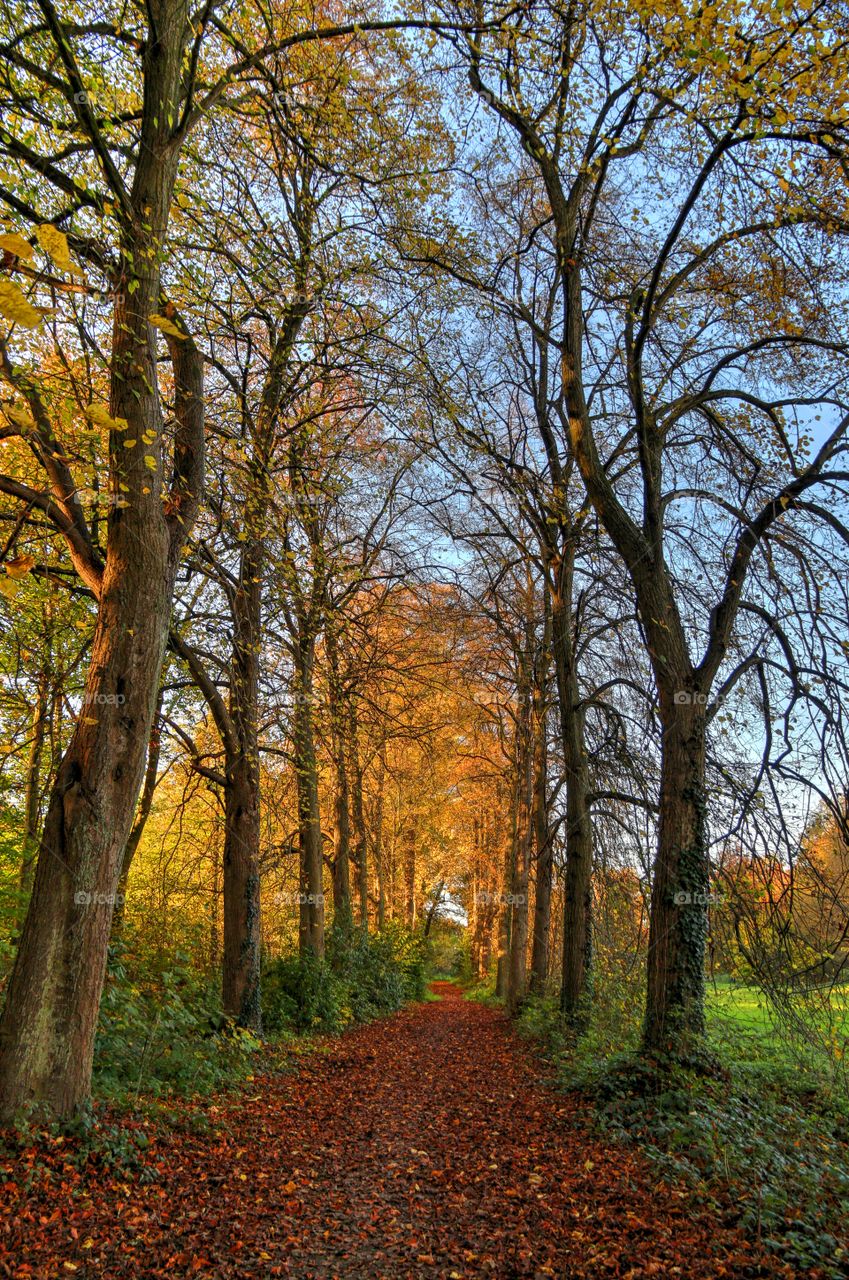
[761, 1143]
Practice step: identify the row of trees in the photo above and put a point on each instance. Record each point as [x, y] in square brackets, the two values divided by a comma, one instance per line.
[469, 379]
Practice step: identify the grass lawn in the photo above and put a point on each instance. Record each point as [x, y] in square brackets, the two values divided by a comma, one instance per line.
[812, 1034]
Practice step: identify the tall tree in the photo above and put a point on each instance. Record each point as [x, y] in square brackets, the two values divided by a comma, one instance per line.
[48, 1021]
[691, 376]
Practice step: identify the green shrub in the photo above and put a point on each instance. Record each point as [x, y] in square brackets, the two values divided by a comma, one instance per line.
[482, 990]
[410, 952]
[302, 993]
[364, 976]
[371, 973]
[167, 1035]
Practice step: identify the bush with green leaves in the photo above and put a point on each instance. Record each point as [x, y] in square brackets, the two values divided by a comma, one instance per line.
[410, 953]
[766, 1147]
[302, 993]
[369, 969]
[364, 976]
[166, 1034]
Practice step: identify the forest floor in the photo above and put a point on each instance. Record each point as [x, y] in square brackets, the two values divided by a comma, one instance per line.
[424, 1145]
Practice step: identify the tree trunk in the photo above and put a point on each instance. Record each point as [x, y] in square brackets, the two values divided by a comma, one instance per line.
[343, 916]
[474, 911]
[241, 961]
[48, 1023]
[410, 877]
[675, 1020]
[360, 846]
[577, 900]
[215, 908]
[378, 842]
[142, 814]
[519, 885]
[342, 910]
[502, 970]
[543, 847]
[32, 795]
[432, 909]
[311, 929]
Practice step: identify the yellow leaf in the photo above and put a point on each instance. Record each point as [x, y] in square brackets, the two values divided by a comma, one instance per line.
[20, 566]
[19, 417]
[166, 326]
[15, 307]
[150, 462]
[9, 588]
[55, 244]
[16, 244]
[101, 418]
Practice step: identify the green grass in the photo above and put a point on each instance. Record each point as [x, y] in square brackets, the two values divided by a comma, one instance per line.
[809, 1033]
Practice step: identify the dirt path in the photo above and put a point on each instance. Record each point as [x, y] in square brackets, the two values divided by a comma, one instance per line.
[422, 1146]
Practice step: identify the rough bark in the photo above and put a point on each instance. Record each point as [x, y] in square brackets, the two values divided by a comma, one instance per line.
[517, 983]
[675, 1020]
[342, 909]
[242, 813]
[410, 877]
[360, 844]
[343, 915]
[378, 850]
[32, 794]
[543, 847]
[577, 904]
[311, 927]
[502, 971]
